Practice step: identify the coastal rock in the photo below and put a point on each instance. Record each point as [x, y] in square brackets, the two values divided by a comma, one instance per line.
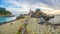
[55, 20]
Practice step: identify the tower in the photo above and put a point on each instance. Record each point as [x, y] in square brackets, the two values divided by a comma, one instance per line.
[30, 12]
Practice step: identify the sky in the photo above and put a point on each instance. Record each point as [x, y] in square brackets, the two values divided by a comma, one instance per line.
[26, 5]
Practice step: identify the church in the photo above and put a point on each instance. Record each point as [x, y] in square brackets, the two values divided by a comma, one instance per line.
[36, 14]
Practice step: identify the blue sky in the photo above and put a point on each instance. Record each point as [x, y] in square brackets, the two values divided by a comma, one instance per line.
[26, 5]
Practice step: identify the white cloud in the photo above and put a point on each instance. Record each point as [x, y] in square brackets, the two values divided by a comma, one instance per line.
[27, 6]
[18, 9]
[41, 6]
[24, 6]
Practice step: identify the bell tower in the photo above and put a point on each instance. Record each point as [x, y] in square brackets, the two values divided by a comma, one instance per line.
[30, 12]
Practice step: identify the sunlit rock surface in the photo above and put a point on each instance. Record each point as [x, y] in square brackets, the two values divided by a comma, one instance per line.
[55, 20]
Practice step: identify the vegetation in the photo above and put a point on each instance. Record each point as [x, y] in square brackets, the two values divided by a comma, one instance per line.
[34, 28]
[3, 11]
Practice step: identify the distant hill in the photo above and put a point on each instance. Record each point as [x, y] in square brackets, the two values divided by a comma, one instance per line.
[4, 12]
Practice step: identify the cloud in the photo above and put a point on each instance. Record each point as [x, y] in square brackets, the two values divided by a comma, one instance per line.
[55, 4]
[23, 7]
[42, 6]
[18, 9]
[26, 5]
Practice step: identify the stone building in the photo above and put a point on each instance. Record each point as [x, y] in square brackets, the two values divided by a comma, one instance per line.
[37, 13]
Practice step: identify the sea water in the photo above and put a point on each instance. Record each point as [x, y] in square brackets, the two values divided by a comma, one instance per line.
[6, 19]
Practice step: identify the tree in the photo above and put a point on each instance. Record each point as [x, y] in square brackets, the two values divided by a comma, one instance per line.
[3, 11]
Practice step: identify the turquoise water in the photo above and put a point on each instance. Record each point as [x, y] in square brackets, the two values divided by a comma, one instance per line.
[6, 19]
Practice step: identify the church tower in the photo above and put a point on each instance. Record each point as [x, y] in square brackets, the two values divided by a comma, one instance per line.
[30, 12]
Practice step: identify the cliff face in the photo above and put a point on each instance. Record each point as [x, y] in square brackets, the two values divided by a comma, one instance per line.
[4, 12]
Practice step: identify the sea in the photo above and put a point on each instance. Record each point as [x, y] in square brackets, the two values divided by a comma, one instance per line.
[6, 19]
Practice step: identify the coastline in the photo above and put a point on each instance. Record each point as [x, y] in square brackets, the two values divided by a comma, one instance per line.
[7, 15]
[32, 27]
[17, 18]
[11, 27]
[7, 22]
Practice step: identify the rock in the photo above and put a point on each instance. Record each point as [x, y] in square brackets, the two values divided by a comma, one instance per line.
[55, 20]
